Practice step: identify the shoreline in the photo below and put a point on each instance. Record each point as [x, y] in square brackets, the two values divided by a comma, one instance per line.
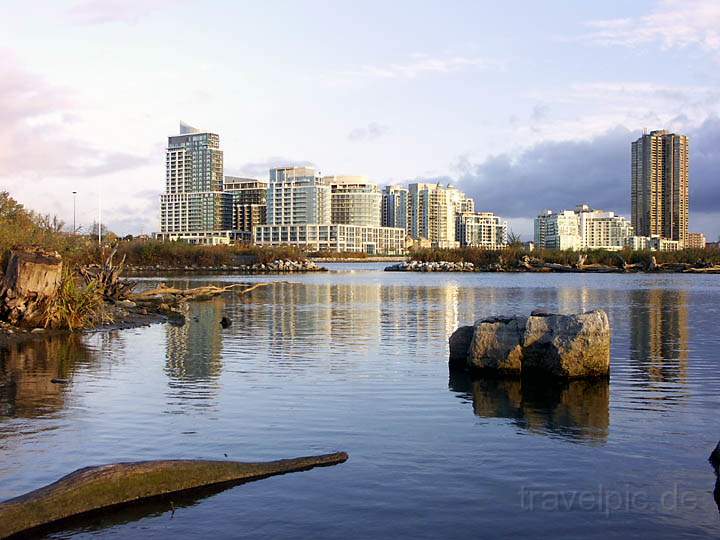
[551, 268]
[14, 335]
[398, 258]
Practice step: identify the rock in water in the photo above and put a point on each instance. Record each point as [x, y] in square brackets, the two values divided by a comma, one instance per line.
[564, 346]
[568, 346]
[106, 486]
[459, 346]
[497, 345]
[715, 459]
[225, 322]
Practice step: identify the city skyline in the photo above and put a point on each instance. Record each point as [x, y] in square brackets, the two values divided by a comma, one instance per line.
[519, 125]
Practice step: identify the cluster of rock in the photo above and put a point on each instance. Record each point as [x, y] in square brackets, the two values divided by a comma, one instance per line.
[565, 346]
[527, 263]
[277, 266]
[441, 266]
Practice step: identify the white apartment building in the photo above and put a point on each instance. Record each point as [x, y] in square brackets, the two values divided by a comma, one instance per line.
[395, 207]
[297, 195]
[433, 208]
[333, 237]
[355, 200]
[582, 228]
[481, 229]
[652, 243]
[194, 201]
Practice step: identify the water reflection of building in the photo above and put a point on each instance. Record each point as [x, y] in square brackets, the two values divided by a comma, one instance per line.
[26, 371]
[659, 333]
[194, 349]
[575, 410]
[338, 314]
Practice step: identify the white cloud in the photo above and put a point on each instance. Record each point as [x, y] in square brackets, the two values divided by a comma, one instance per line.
[261, 169]
[33, 139]
[672, 23]
[584, 110]
[111, 11]
[419, 65]
[370, 132]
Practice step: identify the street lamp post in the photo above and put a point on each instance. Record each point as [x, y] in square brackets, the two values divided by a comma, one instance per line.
[74, 226]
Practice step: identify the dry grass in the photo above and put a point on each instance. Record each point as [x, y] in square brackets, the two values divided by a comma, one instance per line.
[178, 254]
[77, 305]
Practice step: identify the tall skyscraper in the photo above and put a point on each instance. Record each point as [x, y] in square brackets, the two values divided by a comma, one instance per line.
[355, 200]
[194, 200]
[659, 191]
[395, 206]
[297, 195]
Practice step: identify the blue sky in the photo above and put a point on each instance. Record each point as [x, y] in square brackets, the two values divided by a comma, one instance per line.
[525, 105]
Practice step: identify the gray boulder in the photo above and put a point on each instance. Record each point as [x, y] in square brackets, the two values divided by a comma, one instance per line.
[564, 346]
[459, 346]
[497, 345]
[568, 345]
[715, 459]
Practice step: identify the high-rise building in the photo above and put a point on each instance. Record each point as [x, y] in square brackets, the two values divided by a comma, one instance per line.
[249, 196]
[395, 206]
[355, 200]
[695, 240]
[297, 195]
[557, 230]
[433, 208]
[582, 228]
[481, 229]
[659, 190]
[194, 204]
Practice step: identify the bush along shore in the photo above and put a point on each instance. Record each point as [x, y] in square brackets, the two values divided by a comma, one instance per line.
[700, 261]
[40, 295]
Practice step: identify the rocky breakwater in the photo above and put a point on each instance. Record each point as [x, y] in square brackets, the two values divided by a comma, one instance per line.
[562, 346]
[442, 266]
[279, 266]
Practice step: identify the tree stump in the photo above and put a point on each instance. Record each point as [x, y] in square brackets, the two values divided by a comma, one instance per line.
[32, 278]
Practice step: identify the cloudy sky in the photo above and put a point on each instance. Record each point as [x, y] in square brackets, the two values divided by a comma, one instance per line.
[526, 105]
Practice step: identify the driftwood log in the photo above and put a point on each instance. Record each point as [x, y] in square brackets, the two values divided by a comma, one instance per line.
[94, 488]
[164, 294]
[32, 278]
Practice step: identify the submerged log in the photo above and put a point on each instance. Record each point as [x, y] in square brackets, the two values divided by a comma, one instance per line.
[95, 488]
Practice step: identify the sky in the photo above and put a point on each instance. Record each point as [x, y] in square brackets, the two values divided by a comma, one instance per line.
[524, 105]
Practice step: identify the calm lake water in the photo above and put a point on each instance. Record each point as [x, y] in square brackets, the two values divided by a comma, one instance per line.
[356, 360]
